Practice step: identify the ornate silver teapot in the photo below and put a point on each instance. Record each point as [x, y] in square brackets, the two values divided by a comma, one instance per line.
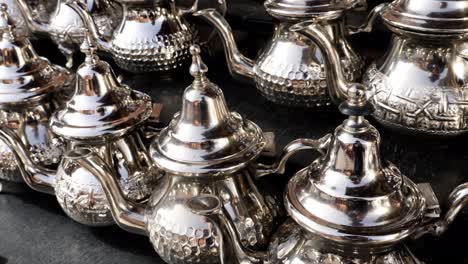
[29, 88]
[206, 149]
[39, 8]
[291, 70]
[65, 26]
[419, 85]
[105, 116]
[152, 36]
[348, 206]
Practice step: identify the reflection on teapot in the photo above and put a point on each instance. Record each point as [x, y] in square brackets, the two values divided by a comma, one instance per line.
[291, 69]
[40, 8]
[65, 26]
[104, 116]
[29, 88]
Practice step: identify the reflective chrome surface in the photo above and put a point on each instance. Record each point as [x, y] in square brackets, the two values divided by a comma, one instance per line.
[292, 69]
[152, 35]
[39, 8]
[419, 85]
[65, 26]
[104, 116]
[347, 206]
[29, 89]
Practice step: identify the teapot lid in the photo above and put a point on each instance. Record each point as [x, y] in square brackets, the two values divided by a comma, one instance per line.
[349, 196]
[447, 17]
[101, 107]
[307, 8]
[24, 76]
[205, 138]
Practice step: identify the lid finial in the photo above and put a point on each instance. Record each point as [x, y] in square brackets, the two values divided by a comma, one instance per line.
[89, 48]
[198, 67]
[6, 24]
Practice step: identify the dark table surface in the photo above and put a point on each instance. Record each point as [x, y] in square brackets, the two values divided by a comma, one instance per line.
[33, 228]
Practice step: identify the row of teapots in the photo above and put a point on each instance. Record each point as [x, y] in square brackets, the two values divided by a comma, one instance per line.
[194, 192]
[418, 86]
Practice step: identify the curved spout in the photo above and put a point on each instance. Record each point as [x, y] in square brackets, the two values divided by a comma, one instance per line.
[238, 64]
[458, 199]
[292, 148]
[336, 80]
[32, 22]
[129, 215]
[210, 206]
[35, 176]
[88, 21]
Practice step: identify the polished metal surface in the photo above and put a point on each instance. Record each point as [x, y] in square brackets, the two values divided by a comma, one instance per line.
[308, 8]
[291, 69]
[419, 85]
[65, 25]
[106, 117]
[212, 152]
[29, 88]
[152, 35]
[348, 206]
[39, 8]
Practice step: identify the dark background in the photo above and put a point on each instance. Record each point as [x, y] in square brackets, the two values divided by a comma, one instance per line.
[33, 229]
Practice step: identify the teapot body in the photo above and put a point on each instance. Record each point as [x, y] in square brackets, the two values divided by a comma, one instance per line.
[181, 236]
[293, 244]
[31, 123]
[40, 8]
[151, 39]
[419, 86]
[81, 195]
[291, 69]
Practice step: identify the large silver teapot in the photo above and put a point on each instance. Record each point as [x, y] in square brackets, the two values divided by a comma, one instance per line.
[206, 150]
[290, 69]
[65, 26]
[419, 84]
[29, 89]
[348, 206]
[104, 116]
[152, 35]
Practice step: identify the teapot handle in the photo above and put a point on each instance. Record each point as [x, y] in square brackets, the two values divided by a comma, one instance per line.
[457, 200]
[194, 8]
[292, 148]
[368, 23]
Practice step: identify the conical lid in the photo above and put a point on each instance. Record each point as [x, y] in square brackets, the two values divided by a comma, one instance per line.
[350, 196]
[101, 107]
[205, 137]
[428, 16]
[24, 76]
[306, 8]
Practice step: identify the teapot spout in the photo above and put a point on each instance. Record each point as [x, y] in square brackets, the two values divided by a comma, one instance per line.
[82, 10]
[35, 24]
[35, 176]
[336, 81]
[239, 65]
[129, 215]
[210, 206]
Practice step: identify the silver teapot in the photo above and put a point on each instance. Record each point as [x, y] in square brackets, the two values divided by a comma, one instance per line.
[419, 85]
[29, 89]
[152, 35]
[39, 9]
[104, 116]
[65, 26]
[347, 206]
[206, 150]
[290, 69]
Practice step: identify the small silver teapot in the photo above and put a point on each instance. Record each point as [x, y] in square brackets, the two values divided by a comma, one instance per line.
[206, 150]
[65, 26]
[105, 116]
[152, 35]
[419, 86]
[348, 206]
[29, 89]
[291, 69]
